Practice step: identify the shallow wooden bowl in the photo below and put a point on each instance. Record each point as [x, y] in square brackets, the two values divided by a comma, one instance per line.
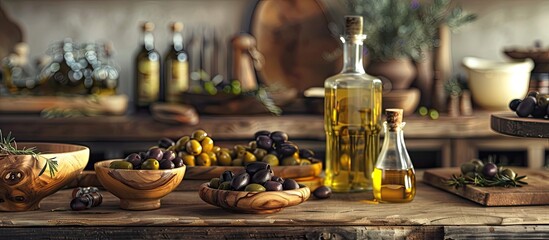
[21, 187]
[253, 202]
[138, 189]
[207, 173]
[407, 99]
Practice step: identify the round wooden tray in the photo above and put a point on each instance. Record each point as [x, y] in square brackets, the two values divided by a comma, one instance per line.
[207, 173]
[509, 123]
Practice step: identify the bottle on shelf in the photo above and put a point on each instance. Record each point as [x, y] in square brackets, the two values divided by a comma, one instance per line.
[394, 176]
[352, 117]
[176, 67]
[147, 67]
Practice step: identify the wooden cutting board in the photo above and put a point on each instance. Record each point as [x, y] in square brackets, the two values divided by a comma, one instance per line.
[535, 193]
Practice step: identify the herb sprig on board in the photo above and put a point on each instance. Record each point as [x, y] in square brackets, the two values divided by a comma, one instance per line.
[479, 173]
[8, 146]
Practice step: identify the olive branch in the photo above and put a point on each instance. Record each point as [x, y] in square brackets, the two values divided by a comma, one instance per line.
[9, 146]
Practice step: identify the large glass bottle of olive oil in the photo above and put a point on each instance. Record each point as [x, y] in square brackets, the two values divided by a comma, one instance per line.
[176, 67]
[147, 66]
[352, 117]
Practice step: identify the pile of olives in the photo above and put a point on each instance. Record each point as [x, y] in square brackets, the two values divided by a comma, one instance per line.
[487, 170]
[273, 148]
[534, 104]
[257, 177]
[155, 158]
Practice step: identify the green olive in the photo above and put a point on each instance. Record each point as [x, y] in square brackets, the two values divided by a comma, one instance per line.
[470, 175]
[271, 159]
[224, 158]
[237, 162]
[193, 147]
[203, 160]
[214, 183]
[249, 157]
[216, 149]
[150, 164]
[239, 151]
[213, 158]
[303, 162]
[254, 187]
[182, 142]
[260, 153]
[252, 145]
[199, 135]
[121, 165]
[189, 160]
[207, 144]
[478, 165]
[468, 167]
[509, 173]
[289, 161]
[225, 185]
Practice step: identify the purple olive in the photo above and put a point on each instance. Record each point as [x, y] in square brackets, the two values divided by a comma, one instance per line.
[165, 143]
[166, 164]
[262, 176]
[264, 142]
[273, 186]
[240, 181]
[322, 192]
[279, 137]
[79, 203]
[169, 155]
[261, 132]
[277, 179]
[155, 153]
[290, 184]
[287, 149]
[134, 159]
[178, 162]
[489, 170]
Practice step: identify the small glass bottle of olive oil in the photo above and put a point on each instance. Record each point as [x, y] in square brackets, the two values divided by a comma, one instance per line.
[352, 117]
[394, 178]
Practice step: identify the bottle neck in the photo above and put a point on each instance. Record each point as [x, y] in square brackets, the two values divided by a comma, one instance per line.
[352, 53]
[394, 137]
[177, 41]
[148, 40]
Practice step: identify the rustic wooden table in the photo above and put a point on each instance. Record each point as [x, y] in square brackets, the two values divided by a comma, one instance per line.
[434, 214]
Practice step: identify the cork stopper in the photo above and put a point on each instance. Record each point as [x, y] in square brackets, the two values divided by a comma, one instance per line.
[148, 26]
[353, 25]
[176, 26]
[394, 118]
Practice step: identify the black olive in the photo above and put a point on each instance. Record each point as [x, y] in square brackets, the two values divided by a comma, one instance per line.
[155, 153]
[254, 167]
[261, 176]
[226, 176]
[166, 164]
[272, 186]
[533, 94]
[514, 104]
[165, 143]
[277, 179]
[306, 153]
[77, 204]
[169, 155]
[261, 132]
[240, 181]
[178, 162]
[287, 149]
[279, 137]
[489, 170]
[134, 159]
[322, 192]
[290, 184]
[526, 107]
[264, 142]
[539, 112]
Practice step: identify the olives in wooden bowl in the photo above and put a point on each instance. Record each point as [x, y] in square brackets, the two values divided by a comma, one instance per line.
[33, 171]
[138, 189]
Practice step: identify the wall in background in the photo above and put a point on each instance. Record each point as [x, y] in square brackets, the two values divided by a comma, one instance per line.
[501, 23]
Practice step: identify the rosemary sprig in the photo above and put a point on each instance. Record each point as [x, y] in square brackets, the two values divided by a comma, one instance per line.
[478, 180]
[8, 146]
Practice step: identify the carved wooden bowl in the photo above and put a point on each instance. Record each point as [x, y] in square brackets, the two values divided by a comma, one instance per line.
[138, 189]
[253, 202]
[21, 187]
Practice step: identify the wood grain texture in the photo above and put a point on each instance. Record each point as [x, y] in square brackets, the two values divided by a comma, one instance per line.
[253, 202]
[510, 124]
[21, 185]
[535, 193]
[432, 214]
[207, 173]
[138, 189]
[112, 105]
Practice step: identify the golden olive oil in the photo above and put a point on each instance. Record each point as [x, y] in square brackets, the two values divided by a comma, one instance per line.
[394, 185]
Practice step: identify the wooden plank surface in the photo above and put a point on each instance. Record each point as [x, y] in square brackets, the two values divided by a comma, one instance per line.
[114, 105]
[535, 193]
[510, 124]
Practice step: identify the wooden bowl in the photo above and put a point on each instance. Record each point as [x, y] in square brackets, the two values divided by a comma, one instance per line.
[207, 173]
[138, 189]
[407, 99]
[22, 187]
[253, 202]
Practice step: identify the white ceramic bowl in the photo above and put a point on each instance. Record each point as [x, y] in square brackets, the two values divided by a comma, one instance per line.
[494, 84]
